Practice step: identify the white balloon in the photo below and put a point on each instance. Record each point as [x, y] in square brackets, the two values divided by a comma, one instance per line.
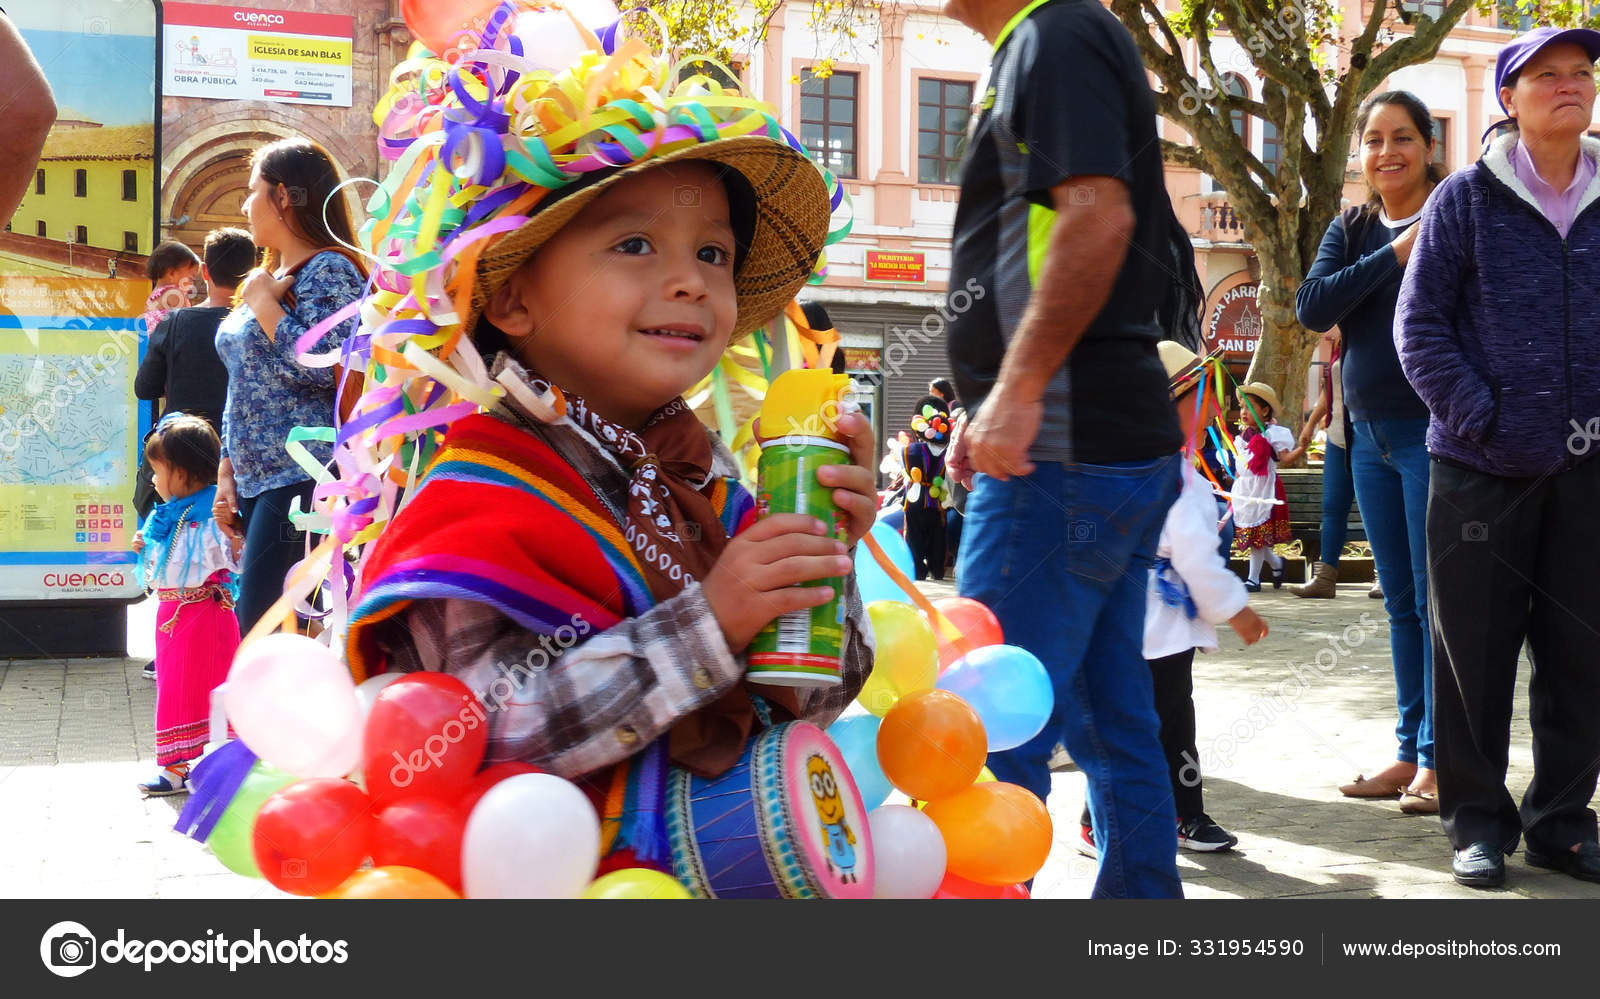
[908, 853]
[293, 703]
[549, 39]
[367, 692]
[530, 836]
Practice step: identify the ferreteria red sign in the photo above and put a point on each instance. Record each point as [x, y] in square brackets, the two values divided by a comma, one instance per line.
[896, 265]
[1233, 317]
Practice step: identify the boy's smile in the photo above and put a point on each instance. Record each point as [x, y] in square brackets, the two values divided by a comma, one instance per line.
[633, 301]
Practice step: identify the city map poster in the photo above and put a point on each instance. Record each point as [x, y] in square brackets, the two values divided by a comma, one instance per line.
[68, 418]
[72, 300]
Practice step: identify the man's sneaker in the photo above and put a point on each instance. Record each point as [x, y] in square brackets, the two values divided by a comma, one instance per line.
[149, 670]
[1084, 844]
[1202, 835]
[170, 780]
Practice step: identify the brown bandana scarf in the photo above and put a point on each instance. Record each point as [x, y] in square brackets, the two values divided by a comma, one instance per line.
[669, 468]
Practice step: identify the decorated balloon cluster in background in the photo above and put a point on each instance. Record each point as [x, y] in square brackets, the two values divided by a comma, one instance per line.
[932, 425]
[942, 696]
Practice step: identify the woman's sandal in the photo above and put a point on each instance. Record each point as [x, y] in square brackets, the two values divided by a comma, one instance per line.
[1366, 787]
[1419, 802]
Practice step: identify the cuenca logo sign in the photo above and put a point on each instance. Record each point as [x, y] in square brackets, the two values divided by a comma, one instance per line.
[257, 17]
[74, 580]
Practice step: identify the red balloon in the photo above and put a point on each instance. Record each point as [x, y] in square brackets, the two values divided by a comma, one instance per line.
[425, 738]
[313, 834]
[422, 833]
[976, 623]
[435, 21]
[491, 775]
[955, 886]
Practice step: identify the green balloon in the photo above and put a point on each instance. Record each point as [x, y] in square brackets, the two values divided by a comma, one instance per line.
[232, 839]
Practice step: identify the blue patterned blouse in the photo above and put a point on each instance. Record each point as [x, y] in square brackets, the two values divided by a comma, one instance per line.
[269, 391]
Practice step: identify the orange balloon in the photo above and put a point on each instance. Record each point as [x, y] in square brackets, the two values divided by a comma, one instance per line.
[976, 623]
[931, 744]
[392, 883]
[994, 834]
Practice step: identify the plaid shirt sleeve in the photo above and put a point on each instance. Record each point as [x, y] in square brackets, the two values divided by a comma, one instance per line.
[576, 701]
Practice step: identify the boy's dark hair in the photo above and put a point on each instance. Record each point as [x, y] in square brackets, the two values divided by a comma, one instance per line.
[186, 443]
[170, 255]
[930, 400]
[230, 255]
[944, 388]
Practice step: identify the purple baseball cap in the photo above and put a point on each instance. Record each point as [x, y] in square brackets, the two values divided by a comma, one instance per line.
[1519, 50]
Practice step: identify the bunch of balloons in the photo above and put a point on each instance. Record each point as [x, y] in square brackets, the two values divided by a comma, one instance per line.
[931, 746]
[391, 772]
[932, 424]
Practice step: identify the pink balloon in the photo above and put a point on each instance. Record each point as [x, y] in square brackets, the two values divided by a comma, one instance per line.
[293, 703]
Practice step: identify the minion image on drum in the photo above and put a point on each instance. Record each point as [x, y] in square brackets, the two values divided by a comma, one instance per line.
[830, 811]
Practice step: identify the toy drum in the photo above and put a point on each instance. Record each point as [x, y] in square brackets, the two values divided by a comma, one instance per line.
[785, 822]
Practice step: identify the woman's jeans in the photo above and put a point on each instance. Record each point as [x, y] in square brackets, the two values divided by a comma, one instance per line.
[1062, 556]
[1338, 492]
[272, 546]
[1389, 462]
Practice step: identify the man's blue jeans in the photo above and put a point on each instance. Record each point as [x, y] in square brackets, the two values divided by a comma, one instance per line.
[1389, 461]
[1062, 557]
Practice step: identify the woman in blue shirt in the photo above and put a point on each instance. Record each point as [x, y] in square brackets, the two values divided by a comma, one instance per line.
[304, 278]
[1354, 284]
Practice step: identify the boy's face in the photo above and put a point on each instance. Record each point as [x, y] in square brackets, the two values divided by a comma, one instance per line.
[633, 301]
[177, 275]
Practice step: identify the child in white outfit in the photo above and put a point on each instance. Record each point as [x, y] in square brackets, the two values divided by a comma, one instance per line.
[1191, 591]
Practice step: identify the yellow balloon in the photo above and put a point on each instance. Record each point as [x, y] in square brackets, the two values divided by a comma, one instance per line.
[634, 883]
[907, 655]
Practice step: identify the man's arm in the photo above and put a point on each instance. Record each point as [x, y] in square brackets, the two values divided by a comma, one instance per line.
[1088, 244]
[29, 109]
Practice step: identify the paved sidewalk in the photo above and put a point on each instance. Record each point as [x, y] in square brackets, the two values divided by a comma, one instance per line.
[1277, 733]
[1279, 727]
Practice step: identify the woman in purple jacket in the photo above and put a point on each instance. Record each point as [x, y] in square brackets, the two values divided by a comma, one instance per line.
[1353, 284]
[1498, 328]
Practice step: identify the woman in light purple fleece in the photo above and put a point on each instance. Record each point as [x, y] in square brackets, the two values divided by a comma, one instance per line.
[1498, 329]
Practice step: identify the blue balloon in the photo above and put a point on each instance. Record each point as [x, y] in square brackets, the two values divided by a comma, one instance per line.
[871, 580]
[857, 739]
[1008, 687]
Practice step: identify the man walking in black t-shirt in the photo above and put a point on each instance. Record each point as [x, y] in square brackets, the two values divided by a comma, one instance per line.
[1071, 442]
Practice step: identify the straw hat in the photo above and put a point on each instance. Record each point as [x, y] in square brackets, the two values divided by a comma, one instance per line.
[1183, 365]
[790, 202]
[1262, 391]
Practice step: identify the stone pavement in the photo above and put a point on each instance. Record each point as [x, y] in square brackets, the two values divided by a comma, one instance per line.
[1280, 726]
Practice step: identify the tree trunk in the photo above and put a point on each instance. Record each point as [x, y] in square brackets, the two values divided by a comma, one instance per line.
[1284, 355]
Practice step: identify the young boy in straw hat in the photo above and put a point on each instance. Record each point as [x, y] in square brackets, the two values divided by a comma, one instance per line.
[583, 557]
[1191, 591]
[1260, 511]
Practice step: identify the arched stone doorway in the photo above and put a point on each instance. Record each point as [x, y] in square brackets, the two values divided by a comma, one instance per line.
[206, 175]
[212, 198]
